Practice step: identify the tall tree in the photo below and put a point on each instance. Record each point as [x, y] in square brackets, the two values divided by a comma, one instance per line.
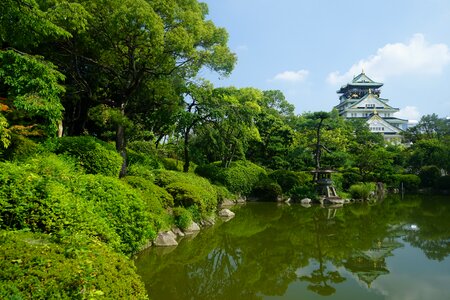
[30, 85]
[228, 134]
[276, 136]
[131, 43]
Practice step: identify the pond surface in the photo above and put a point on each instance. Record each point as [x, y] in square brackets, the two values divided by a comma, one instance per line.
[396, 249]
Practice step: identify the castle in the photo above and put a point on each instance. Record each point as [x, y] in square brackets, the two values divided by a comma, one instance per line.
[361, 99]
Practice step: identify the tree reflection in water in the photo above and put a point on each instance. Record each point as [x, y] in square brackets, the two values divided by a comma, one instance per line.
[265, 249]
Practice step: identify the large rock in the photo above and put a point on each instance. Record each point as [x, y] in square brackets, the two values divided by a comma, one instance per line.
[305, 201]
[227, 203]
[193, 228]
[209, 221]
[226, 213]
[165, 239]
[177, 231]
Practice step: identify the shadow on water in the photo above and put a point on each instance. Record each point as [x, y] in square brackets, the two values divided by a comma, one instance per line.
[269, 250]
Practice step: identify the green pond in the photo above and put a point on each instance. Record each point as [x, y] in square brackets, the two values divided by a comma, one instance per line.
[397, 249]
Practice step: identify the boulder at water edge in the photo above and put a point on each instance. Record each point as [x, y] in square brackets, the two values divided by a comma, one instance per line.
[165, 239]
[226, 213]
[193, 228]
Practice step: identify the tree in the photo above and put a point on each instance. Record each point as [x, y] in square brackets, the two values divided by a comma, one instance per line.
[232, 126]
[429, 127]
[30, 87]
[131, 44]
[276, 136]
[201, 108]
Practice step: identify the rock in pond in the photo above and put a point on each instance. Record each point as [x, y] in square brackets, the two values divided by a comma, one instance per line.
[227, 203]
[226, 213]
[305, 201]
[165, 239]
[177, 231]
[192, 228]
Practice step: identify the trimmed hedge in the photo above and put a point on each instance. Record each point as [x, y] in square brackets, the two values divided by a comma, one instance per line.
[121, 205]
[44, 195]
[156, 199]
[267, 190]
[37, 202]
[289, 179]
[35, 267]
[188, 189]
[151, 192]
[240, 177]
[93, 155]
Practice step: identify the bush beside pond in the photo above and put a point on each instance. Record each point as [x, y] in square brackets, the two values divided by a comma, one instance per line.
[93, 155]
[35, 267]
[240, 177]
[361, 191]
[188, 189]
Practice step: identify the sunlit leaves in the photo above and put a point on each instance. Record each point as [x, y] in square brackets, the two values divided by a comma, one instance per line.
[33, 86]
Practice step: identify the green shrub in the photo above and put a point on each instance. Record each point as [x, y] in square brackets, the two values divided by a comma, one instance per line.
[223, 193]
[288, 179]
[93, 155]
[307, 190]
[20, 148]
[121, 205]
[362, 190]
[187, 194]
[267, 190]
[34, 267]
[143, 153]
[410, 182]
[429, 175]
[151, 191]
[443, 183]
[188, 189]
[40, 203]
[240, 177]
[183, 217]
[177, 165]
[350, 178]
[156, 199]
[141, 171]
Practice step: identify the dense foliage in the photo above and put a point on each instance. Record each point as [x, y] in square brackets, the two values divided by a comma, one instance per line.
[240, 177]
[93, 155]
[188, 190]
[35, 267]
[91, 91]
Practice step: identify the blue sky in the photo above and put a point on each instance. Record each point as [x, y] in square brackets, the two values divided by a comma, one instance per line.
[308, 49]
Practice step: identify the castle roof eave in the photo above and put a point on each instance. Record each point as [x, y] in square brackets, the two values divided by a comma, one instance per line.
[363, 84]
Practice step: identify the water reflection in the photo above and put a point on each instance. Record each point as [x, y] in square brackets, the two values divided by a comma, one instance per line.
[266, 250]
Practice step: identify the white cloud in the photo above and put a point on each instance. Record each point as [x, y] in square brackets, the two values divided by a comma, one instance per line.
[292, 76]
[408, 113]
[415, 57]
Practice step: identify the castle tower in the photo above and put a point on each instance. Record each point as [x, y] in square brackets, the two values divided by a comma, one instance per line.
[360, 99]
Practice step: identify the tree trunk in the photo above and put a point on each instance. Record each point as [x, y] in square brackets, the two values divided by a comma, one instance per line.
[121, 144]
[186, 151]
